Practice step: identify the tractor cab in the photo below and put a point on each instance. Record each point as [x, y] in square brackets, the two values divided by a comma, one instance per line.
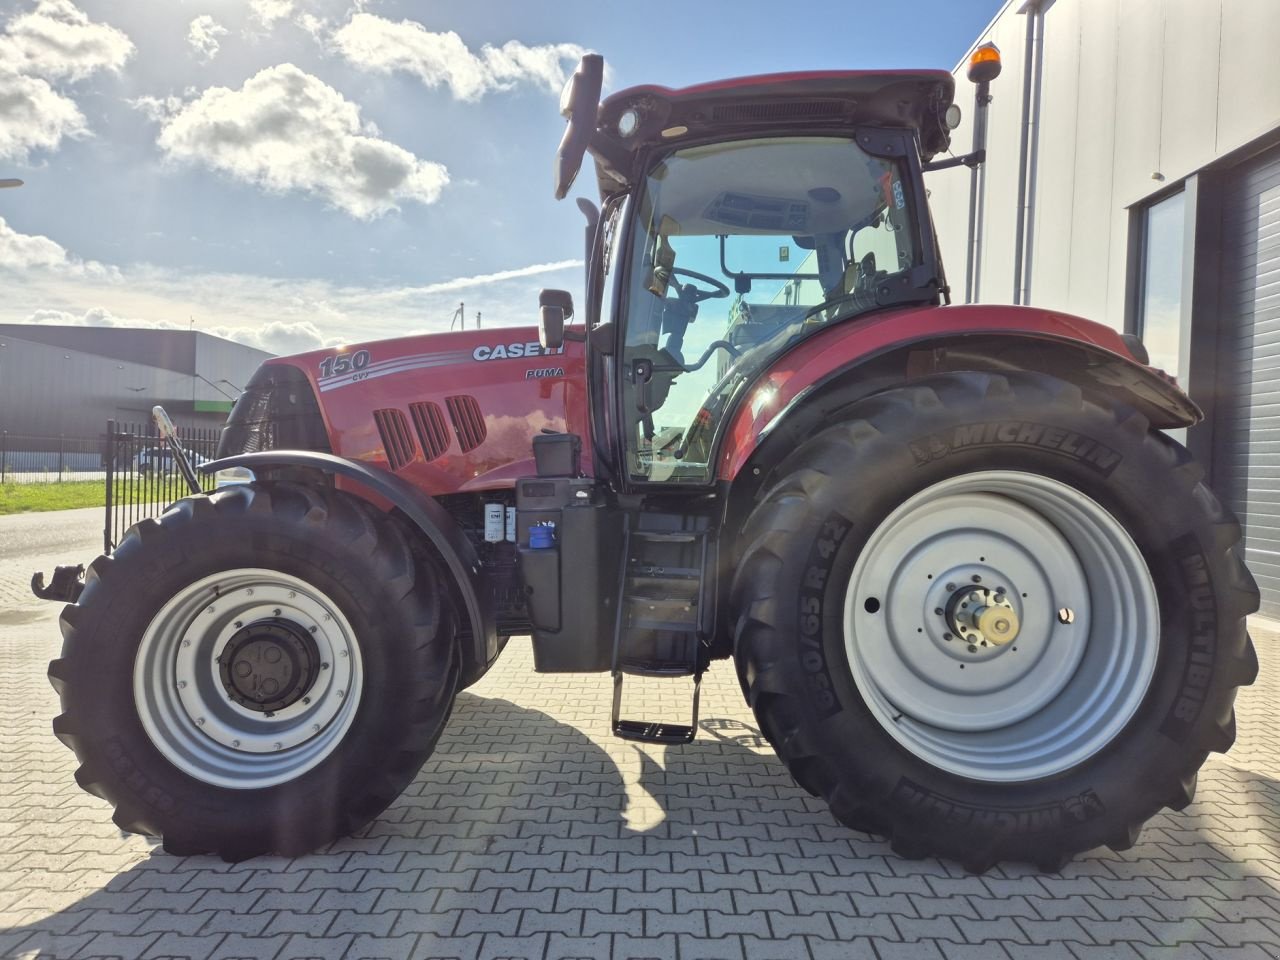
[740, 218]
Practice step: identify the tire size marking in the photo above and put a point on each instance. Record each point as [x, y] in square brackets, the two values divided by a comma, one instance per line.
[1023, 433]
[813, 590]
[1042, 818]
[1197, 675]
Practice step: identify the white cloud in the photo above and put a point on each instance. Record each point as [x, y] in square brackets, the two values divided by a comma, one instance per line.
[21, 251]
[25, 252]
[443, 59]
[278, 337]
[482, 279]
[57, 40]
[53, 42]
[284, 130]
[203, 36]
[34, 116]
[269, 12]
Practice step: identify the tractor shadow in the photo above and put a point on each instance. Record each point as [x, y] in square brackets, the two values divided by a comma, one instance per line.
[521, 812]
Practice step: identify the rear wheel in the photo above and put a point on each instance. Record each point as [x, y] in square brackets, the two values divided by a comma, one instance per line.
[261, 670]
[992, 620]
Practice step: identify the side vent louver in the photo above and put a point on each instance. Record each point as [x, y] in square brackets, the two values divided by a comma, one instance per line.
[467, 421]
[394, 430]
[428, 423]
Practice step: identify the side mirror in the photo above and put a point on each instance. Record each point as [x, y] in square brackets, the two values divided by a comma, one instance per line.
[556, 306]
[579, 104]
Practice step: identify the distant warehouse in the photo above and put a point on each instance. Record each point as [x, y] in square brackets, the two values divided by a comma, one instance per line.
[67, 381]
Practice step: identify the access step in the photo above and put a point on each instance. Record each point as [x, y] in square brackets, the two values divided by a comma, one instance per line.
[653, 731]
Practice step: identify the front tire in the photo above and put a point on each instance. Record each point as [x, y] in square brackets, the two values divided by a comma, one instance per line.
[262, 670]
[991, 619]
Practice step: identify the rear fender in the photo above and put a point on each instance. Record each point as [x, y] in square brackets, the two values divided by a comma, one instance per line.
[825, 372]
[435, 523]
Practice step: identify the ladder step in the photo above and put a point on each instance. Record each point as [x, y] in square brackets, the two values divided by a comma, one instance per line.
[653, 731]
[652, 571]
[670, 626]
[647, 668]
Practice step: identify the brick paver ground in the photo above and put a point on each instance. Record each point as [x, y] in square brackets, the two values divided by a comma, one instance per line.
[531, 833]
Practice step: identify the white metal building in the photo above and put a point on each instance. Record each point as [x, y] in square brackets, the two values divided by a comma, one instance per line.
[1134, 178]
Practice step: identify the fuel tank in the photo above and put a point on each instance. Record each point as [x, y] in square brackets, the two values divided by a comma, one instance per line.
[449, 412]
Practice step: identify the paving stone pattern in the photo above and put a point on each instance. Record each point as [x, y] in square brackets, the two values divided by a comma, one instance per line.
[532, 833]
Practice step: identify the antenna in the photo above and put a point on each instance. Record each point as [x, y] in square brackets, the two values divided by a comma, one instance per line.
[459, 318]
[477, 319]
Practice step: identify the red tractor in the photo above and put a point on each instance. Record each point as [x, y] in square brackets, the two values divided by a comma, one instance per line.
[978, 601]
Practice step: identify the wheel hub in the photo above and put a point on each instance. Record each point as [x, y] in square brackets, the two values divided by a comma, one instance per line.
[269, 665]
[983, 616]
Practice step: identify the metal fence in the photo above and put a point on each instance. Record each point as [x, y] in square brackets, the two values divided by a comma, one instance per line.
[28, 459]
[142, 476]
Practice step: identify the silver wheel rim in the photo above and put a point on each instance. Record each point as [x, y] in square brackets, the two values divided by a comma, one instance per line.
[1062, 576]
[193, 720]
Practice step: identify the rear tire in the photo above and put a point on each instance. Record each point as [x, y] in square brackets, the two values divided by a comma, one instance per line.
[261, 670]
[844, 629]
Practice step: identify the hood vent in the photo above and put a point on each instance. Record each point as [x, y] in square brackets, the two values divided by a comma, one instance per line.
[429, 424]
[394, 430]
[467, 421]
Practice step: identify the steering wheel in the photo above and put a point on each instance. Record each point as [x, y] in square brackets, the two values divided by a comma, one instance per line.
[719, 292]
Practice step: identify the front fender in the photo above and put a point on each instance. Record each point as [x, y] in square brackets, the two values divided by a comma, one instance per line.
[904, 345]
[432, 519]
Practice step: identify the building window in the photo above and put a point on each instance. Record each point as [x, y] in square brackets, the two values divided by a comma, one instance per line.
[1159, 313]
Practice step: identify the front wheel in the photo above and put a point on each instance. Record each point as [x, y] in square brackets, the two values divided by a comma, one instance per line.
[260, 670]
[993, 620]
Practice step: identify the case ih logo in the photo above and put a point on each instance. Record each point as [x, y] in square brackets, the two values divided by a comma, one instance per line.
[511, 351]
[1065, 443]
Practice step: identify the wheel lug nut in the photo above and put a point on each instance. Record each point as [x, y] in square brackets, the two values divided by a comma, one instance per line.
[950, 587]
[239, 624]
[292, 594]
[976, 578]
[314, 628]
[324, 666]
[200, 721]
[341, 694]
[306, 699]
[342, 653]
[972, 648]
[235, 743]
[275, 612]
[1066, 615]
[279, 746]
[182, 684]
[938, 611]
[946, 636]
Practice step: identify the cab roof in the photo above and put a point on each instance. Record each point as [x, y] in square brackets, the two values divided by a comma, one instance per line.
[767, 104]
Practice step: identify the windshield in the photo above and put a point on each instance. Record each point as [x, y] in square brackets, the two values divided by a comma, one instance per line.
[738, 249]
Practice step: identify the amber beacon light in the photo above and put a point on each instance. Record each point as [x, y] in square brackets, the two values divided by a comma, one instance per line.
[984, 64]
